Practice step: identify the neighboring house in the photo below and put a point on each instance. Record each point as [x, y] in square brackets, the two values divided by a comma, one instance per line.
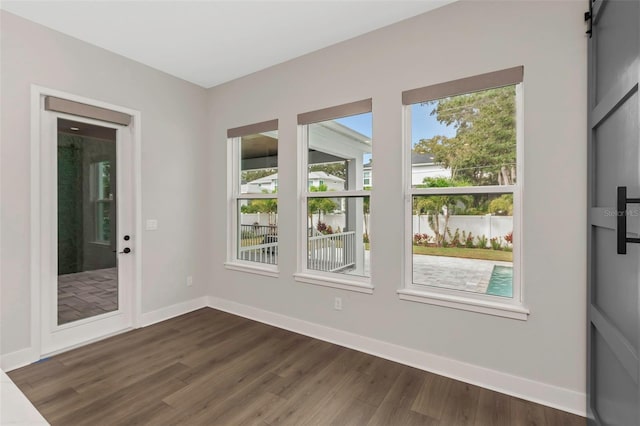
[263, 184]
[270, 183]
[422, 166]
[333, 183]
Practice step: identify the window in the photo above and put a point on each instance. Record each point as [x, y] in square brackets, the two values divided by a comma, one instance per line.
[102, 197]
[253, 216]
[463, 182]
[336, 143]
[367, 178]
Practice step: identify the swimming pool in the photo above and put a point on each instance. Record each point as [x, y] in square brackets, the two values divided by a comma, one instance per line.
[501, 282]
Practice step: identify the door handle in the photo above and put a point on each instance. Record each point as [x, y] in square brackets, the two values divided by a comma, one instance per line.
[621, 215]
[126, 250]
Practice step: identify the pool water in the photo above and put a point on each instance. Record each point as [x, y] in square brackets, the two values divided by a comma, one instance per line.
[501, 282]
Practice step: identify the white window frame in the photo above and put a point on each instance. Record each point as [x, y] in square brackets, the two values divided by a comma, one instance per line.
[97, 201]
[354, 283]
[514, 307]
[234, 195]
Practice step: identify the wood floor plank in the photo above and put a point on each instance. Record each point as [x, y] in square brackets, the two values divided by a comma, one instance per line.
[432, 397]
[557, 417]
[523, 413]
[462, 404]
[354, 413]
[126, 401]
[395, 409]
[493, 409]
[209, 367]
[316, 391]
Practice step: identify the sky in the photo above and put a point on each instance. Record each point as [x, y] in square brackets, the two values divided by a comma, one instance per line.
[423, 124]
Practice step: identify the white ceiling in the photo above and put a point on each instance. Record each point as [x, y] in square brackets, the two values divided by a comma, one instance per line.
[211, 42]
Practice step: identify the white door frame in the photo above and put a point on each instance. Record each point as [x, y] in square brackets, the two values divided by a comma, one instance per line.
[41, 202]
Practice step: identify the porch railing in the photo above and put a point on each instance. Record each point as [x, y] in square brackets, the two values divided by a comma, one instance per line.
[259, 243]
[328, 253]
[332, 252]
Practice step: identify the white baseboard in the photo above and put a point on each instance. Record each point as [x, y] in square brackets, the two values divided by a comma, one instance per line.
[169, 312]
[520, 387]
[18, 359]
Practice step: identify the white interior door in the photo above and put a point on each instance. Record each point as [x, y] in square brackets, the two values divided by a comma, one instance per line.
[87, 224]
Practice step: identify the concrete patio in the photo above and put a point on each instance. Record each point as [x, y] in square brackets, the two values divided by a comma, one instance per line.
[449, 272]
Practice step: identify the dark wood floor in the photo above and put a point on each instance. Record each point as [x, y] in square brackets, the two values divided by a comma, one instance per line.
[212, 368]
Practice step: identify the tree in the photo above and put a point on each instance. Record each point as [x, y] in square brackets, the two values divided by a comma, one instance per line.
[263, 205]
[437, 206]
[338, 169]
[319, 205]
[251, 175]
[483, 151]
[502, 206]
[366, 210]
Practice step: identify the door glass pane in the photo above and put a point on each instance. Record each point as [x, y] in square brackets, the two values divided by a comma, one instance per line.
[87, 262]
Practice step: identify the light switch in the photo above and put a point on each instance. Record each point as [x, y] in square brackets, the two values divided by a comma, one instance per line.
[152, 224]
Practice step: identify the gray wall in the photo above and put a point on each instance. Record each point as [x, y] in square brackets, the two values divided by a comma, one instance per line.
[174, 164]
[458, 40]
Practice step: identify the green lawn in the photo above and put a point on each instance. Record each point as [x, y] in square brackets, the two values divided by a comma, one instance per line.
[467, 253]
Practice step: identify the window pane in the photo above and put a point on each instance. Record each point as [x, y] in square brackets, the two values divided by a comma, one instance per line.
[338, 235]
[339, 153]
[465, 140]
[103, 221]
[258, 230]
[103, 176]
[259, 163]
[464, 242]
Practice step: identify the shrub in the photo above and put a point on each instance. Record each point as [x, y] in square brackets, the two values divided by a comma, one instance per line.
[247, 234]
[502, 206]
[421, 239]
[454, 240]
[482, 241]
[496, 243]
[468, 240]
[509, 237]
[365, 238]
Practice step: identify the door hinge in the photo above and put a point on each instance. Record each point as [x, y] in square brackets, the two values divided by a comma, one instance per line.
[588, 17]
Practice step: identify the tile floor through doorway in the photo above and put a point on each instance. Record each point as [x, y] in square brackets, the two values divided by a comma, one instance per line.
[87, 294]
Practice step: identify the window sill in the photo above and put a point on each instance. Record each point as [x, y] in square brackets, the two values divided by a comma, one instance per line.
[343, 284]
[268, 271]
[505, 310]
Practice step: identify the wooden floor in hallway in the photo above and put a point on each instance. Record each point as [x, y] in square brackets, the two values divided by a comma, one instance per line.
[213, 368]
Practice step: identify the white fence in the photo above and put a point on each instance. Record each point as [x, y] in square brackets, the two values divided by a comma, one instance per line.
[487, 225]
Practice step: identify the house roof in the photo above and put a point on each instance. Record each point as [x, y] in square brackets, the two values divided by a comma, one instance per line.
[312, 175]
[420, 158]
[325, 176]
[416, 158]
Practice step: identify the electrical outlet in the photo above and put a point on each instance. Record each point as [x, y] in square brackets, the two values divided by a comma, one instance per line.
[189, 281]
[337, 303]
